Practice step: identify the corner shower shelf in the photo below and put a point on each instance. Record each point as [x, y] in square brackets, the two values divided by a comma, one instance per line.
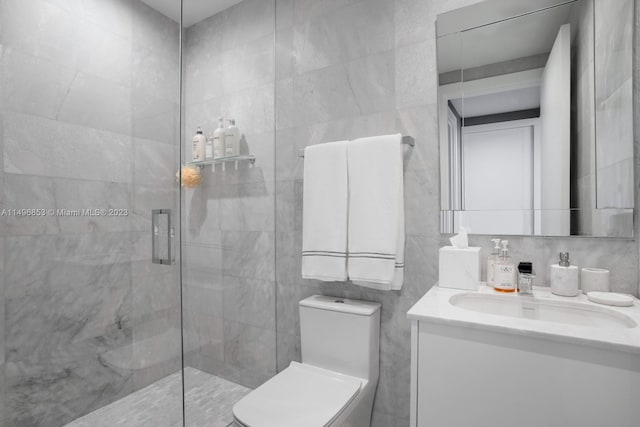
[251, 158]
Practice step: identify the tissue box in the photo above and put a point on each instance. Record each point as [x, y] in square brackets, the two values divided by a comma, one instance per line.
[459, 268]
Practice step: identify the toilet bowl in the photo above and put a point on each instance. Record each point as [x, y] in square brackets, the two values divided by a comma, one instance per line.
[336, 382]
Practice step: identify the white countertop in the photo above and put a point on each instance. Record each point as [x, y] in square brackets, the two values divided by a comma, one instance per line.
[434, 306]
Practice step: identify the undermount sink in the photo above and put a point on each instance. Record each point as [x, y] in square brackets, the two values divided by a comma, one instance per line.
[526, 307]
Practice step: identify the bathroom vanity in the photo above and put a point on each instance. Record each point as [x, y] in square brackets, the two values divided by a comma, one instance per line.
[502, 360]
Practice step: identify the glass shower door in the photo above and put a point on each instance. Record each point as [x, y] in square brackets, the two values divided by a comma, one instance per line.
[90, 327]
[228, 232]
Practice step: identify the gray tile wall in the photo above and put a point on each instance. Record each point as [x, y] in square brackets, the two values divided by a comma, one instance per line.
[89, 91]
[229, 268]
[373, 76]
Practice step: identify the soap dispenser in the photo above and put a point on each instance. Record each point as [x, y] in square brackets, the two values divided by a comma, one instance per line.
[232, 140]
[198, 146]
[218, 140]
[564, 277]
[491, 259]
[504, 271]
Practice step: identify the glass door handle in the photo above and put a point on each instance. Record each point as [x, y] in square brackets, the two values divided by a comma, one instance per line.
[162, 234]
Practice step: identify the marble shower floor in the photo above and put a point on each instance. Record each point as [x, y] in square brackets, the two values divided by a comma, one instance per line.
[208, 401]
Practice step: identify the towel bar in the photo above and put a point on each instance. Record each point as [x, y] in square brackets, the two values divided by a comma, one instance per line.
[407, 140]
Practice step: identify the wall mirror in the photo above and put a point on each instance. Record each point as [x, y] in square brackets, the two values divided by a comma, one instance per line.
[536, 118]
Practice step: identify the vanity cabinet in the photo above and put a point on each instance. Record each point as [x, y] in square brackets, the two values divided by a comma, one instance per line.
[476, 374]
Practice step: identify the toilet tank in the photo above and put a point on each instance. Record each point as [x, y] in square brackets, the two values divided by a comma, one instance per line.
[341, 335]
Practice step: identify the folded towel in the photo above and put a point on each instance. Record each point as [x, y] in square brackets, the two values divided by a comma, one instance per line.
[324, 217]
[376, 212]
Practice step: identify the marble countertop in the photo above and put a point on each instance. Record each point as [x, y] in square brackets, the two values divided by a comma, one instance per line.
[434, 306]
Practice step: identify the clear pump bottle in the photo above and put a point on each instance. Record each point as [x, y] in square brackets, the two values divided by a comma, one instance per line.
[491, 259]
[504, 271]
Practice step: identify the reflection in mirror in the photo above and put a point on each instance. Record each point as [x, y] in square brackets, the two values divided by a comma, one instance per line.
[535, 120]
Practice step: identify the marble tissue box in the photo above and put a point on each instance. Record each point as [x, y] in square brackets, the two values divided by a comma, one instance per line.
[459, 268]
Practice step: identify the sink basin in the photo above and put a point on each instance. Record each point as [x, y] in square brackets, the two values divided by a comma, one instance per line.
[526, 307]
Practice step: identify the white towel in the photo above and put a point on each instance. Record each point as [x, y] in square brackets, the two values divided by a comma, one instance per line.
[376, 212]
[324, 217]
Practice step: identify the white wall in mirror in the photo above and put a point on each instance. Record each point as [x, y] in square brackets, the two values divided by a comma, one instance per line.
[558, 64]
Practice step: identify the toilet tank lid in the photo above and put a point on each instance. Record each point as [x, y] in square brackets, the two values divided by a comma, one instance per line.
[363, 308]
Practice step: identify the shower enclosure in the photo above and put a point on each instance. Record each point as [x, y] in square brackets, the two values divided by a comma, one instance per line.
[126, 298]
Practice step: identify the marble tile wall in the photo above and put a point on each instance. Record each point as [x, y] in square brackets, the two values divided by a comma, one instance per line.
[229, 244]
[88, 116]
[614, 103]
[375, 76]
[583, 129]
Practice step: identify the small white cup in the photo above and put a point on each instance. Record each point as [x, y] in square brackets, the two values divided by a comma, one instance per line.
[594, 279]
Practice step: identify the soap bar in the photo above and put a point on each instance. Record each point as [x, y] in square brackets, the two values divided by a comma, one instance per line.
[459, 268]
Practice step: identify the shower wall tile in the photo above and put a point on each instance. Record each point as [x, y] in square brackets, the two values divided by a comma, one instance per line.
[205, 300]
[154, 74]
[342, 35]
[115, 16]
[248, 254]
[146, 198]
[154, 164]
[249, 353]
[203, 71]
[33, 192]
[39, 146]
[154, 31]
[247, 207]
[66, 41]
[154, 293]
[284, 13]
[246, 21]
[112, 113]
[154, 118]
[249, 301]
[251, 64]
[33, 85]
[284, 52]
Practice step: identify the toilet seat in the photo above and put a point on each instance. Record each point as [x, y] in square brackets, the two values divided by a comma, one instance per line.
[301, 395]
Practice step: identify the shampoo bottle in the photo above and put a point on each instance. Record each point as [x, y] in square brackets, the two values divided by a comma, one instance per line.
[197, 146]
[218, 140]
[491, 259]
[232, 140]
[564, 277]
[504, 271]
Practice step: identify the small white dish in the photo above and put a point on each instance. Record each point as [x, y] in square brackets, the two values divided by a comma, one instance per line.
[610, 298]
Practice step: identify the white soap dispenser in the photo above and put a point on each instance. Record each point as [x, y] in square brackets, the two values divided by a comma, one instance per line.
[491, 259]
[218, 140]
[564, 277]
[232, 140]
[198, 146]
[504, 271]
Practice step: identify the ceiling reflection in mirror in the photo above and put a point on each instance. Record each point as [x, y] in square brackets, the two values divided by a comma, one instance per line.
[535, 118]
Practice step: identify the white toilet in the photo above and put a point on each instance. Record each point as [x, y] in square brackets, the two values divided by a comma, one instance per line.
[336, 381]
